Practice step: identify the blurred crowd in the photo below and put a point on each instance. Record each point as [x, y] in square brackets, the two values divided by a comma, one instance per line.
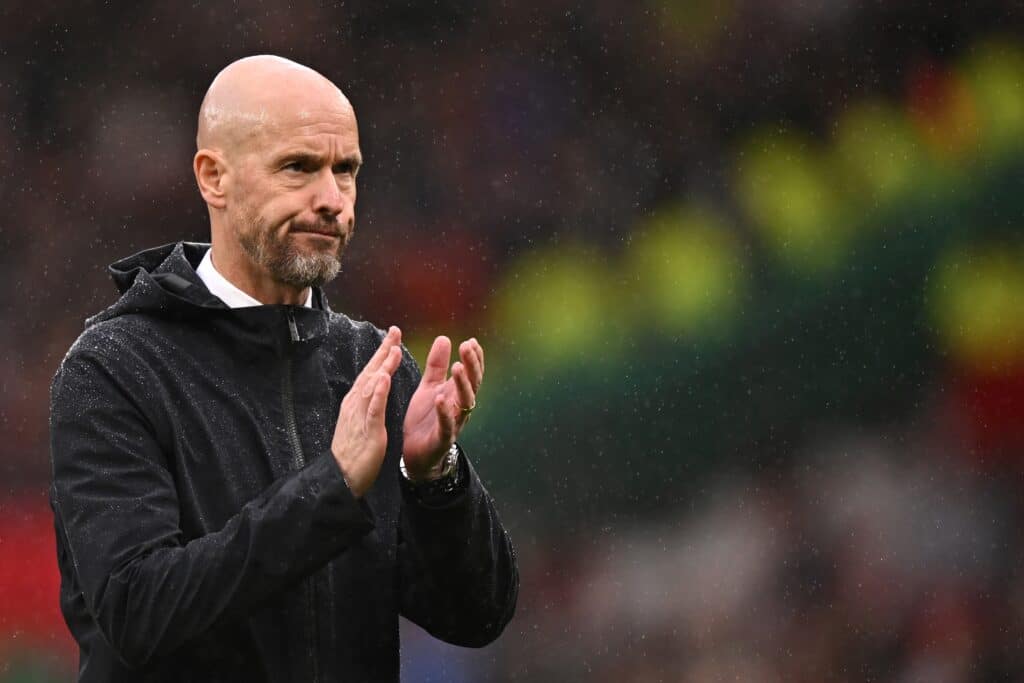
[872, 557]
[497, 134]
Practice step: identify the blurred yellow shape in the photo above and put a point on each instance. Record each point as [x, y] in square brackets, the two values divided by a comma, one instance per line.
[557, 304]
[994, 72]
[683, 272]
[694, 24]
[877, 152]
[977, 303]
[789, 190]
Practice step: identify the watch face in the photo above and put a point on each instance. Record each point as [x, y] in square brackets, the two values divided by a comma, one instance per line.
[444, 483]
[451, 462]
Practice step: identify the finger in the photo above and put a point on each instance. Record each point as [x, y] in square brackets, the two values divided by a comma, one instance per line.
[444, 418]
[378, 400]
[466, 394]
[480, 352]
[388, 367]
[393, 337]
[436, 367]
[472, 362]
[393, 360]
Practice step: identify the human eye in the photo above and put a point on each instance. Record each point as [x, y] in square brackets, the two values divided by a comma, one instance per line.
[348, 167]
[299, 164]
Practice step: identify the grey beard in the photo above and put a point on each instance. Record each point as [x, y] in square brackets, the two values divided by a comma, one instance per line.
[285, 263]
[301, 270]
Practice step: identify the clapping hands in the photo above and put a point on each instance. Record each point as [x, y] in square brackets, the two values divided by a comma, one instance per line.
[437, 412]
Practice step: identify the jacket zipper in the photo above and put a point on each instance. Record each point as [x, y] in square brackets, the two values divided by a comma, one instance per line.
[288, 398]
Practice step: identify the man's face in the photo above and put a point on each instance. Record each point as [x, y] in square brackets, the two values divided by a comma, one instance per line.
[294, 193]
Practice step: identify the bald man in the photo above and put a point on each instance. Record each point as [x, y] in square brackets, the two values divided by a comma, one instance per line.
[247, 485]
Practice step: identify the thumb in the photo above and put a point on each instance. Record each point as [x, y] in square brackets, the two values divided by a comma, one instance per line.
[436, 369]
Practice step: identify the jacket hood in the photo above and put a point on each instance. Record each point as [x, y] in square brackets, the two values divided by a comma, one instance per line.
[162, 281]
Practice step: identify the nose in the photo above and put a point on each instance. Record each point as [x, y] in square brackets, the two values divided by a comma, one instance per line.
[328, 200]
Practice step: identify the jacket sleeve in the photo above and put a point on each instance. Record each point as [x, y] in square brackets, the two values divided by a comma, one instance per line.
[458, 574]
[148, 590]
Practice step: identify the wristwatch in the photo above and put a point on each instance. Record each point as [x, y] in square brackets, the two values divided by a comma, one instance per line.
[447, 483]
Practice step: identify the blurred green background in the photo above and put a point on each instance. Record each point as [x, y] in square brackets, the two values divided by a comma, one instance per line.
[749, 275]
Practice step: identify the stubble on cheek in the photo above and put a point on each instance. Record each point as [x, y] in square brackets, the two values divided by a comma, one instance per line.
[253, 235]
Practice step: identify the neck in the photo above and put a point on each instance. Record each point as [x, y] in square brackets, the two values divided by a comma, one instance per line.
[234, 267]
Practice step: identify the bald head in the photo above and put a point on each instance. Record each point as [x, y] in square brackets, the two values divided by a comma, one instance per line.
[252, 97]
[277, 158]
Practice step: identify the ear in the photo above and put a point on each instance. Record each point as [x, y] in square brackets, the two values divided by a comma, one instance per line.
[211, 173]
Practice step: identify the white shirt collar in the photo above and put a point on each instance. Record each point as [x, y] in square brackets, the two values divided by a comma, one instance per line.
[227, 292]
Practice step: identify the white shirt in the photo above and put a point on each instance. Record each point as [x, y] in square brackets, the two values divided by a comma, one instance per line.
[227, 292]
[236, 298]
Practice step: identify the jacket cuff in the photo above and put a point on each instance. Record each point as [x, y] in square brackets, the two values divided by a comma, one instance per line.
[325, 484]
[431, 498]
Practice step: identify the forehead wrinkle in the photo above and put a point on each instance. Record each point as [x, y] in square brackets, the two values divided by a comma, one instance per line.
[321, 153]
[336, 119]
[321, 136]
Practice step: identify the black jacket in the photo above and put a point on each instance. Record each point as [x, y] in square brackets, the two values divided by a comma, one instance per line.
[204, 530]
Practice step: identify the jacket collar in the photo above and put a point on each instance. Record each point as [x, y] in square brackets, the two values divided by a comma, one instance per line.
[162, 281]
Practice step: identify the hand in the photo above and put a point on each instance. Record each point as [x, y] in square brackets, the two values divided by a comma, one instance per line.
[360, 436]
[435, 415]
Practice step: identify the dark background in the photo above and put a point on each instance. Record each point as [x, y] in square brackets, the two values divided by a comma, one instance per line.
[750, 277]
